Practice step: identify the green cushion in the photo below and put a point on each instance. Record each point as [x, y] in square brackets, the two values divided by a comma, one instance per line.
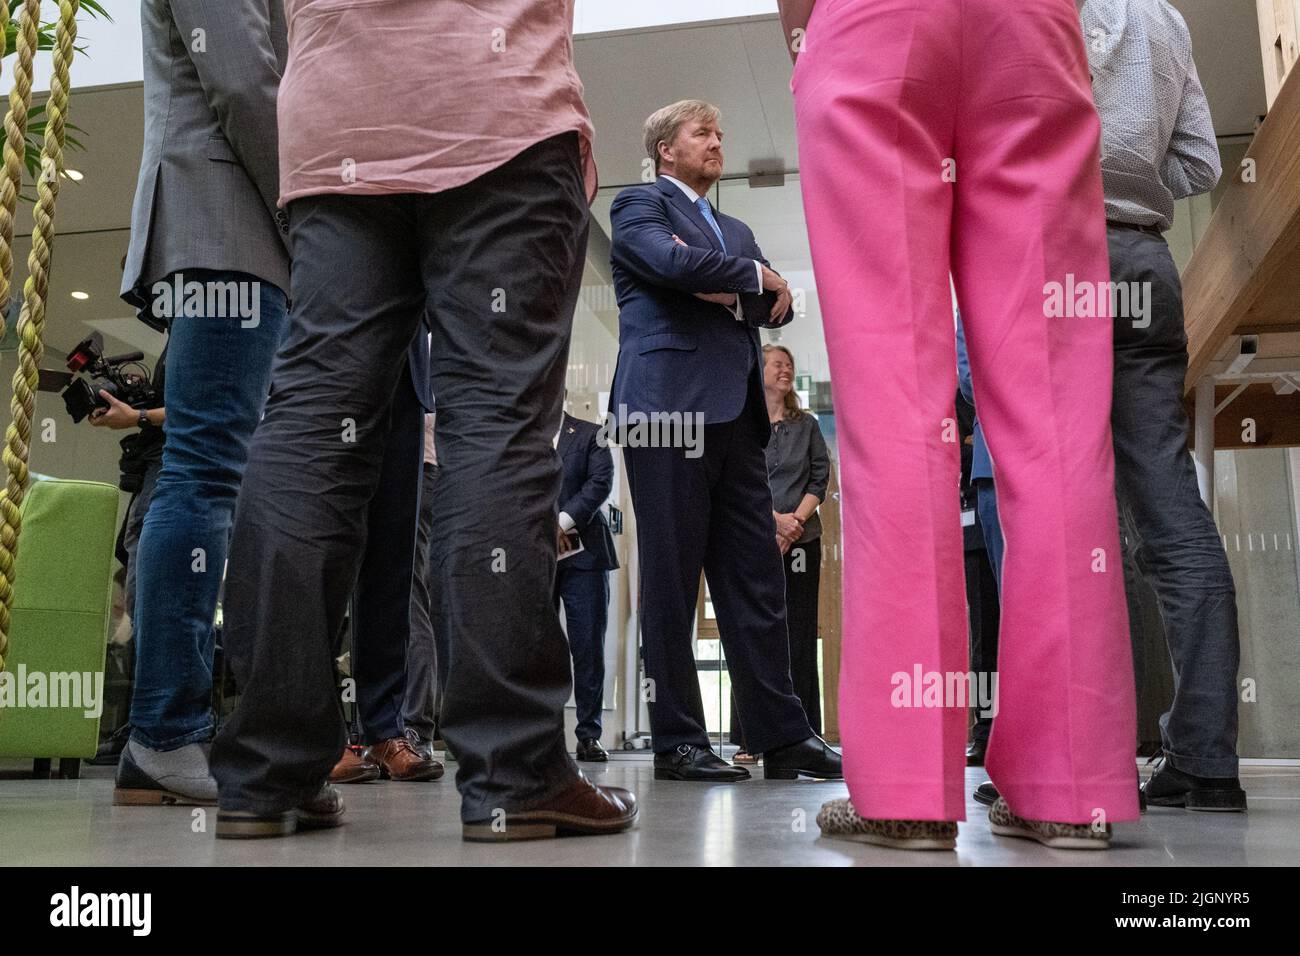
[59, 631]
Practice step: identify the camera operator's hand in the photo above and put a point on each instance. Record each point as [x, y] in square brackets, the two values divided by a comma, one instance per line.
[118, 414]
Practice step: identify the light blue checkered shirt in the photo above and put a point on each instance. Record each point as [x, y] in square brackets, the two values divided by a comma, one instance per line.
[1158, 142]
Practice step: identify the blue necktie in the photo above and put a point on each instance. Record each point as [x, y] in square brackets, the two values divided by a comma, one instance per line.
[703, 205]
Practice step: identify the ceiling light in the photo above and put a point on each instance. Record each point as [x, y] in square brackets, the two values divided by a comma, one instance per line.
[74, 175]
[81, 295]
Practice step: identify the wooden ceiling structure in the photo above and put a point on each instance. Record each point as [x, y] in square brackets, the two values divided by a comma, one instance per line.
[1242, 286]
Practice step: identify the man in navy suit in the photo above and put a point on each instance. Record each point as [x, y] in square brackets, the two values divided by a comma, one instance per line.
[384, 661]
[582, 577]
[693, 288]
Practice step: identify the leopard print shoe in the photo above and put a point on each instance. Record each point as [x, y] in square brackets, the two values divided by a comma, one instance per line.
[1059, 836]
[840, 821]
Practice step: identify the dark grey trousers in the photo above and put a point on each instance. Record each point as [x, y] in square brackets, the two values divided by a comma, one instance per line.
[494, 268]
[382, 608]
[1178, 551]
[421, 699]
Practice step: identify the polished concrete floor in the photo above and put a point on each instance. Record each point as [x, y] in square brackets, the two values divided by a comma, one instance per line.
[73, 823]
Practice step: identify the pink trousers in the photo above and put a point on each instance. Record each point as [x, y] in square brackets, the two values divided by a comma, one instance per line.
[959, 137]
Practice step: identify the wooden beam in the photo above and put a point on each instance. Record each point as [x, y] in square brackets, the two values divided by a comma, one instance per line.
[1279, 36]
[1272, 420]
[1246, 269]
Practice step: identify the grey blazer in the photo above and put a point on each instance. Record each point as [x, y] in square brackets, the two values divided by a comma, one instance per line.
[209, 173]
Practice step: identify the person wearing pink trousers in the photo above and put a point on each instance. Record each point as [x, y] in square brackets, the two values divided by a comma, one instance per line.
[959, 137]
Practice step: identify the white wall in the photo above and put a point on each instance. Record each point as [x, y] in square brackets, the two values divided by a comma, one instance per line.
[114, 51]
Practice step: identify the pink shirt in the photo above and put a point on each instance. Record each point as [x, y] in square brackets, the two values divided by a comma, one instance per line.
[420, 96]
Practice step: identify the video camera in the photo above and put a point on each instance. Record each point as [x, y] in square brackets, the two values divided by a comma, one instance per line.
[122, 376]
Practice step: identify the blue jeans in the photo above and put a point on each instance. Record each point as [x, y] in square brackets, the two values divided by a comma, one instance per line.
[986, 503]
[218, 373]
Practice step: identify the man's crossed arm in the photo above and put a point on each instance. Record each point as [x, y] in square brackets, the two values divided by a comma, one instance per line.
[645, 245]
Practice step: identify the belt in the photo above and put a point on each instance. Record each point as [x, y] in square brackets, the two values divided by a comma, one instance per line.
[1149, 230]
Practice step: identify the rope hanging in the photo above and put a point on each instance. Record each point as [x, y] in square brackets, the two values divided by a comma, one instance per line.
[15, 143]
[31, 321]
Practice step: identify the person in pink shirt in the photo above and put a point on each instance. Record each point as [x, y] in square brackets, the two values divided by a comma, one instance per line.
[436, 166]
[959, 137]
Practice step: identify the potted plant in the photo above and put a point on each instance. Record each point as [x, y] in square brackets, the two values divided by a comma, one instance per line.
[44, 41]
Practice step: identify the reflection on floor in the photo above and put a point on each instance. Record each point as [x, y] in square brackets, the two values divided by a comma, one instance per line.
[70, 823]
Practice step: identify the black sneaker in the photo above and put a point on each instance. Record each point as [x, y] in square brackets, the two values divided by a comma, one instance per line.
[1171, 787]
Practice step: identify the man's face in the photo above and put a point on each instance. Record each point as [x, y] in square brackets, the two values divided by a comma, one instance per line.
[696, 151]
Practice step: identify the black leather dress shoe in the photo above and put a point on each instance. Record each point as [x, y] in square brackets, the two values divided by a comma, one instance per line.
[975, 752]
[318, 812]
[696, 763]
[590, 750]
[1171, 787]
[110, 751]
[812, 757]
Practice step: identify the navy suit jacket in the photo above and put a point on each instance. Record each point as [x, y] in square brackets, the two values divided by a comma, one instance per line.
[677, 353]
[588, 480]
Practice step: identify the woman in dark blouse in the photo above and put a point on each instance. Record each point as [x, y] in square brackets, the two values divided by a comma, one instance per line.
[798, 470]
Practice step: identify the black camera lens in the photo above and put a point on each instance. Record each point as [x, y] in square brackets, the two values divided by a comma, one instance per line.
[82, 397]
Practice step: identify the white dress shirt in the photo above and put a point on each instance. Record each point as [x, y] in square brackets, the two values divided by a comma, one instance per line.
[566, 522]
[1158, 142]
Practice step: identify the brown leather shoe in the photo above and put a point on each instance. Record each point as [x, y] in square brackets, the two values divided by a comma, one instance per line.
[583, 809]
[354, 767]
[398, 760]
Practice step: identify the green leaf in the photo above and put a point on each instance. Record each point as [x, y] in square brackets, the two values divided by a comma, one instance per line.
[45, 40]
[45, 31]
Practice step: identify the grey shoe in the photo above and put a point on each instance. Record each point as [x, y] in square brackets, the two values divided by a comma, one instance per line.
[151, 778]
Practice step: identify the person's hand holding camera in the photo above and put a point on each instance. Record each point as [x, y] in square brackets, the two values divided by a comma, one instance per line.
[117, 415]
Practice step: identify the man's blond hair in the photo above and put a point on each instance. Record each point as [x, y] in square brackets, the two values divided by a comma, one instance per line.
[663, 125]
